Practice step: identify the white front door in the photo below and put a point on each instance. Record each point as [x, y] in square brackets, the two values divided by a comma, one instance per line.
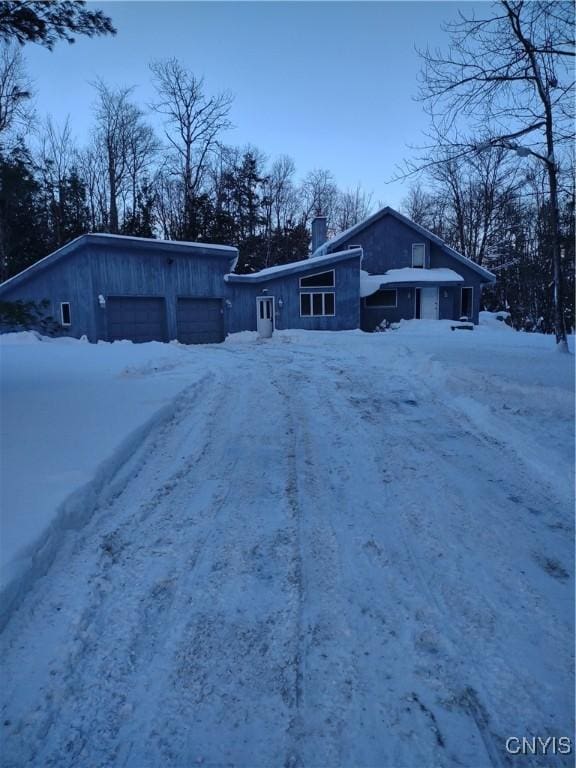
[429, 303]
[265, 316]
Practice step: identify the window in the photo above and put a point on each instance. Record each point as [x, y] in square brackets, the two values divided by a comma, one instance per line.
[466, 303]
[317, 304]
[418, 255]
[320, 280]
[65, 315]
[382, 298]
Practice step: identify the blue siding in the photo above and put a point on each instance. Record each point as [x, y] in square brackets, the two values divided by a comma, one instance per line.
[68, 280]
[108, 269]
[287, 290]
[387, 244]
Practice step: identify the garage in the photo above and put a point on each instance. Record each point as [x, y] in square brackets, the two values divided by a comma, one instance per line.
[199, 321]
[137, 318]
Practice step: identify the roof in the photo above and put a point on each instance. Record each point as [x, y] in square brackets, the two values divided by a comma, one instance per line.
[387, 211]
[101, 238]
[369, 284]
[295, 266]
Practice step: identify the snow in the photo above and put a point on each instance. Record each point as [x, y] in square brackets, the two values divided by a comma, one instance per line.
[369, 284]
[70, 411]
[322, 549]
[184, 243]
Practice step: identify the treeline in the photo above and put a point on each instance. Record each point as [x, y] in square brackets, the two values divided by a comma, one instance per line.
[183, 184]
[494, 208]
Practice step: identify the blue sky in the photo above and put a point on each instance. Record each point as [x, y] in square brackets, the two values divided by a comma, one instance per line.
[329, 83]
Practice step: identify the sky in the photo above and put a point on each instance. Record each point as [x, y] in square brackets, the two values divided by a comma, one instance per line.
[332, 84]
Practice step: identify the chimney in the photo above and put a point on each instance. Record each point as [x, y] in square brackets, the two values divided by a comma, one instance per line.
[318, 232]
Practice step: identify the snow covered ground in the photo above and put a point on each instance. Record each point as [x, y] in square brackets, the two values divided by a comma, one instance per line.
[326, 549]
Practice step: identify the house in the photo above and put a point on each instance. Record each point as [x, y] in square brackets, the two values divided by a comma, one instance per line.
[407, 272]
[384, 268]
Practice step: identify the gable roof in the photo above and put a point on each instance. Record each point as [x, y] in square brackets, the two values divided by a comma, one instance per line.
[387, 211]
[295, 266]
[101, 238]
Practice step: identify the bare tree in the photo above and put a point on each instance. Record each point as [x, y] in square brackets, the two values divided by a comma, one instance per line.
[194, 123]
[125, 141]
[509, 75]
[319, 195]
[352, 206]
[281, 191]
[92, 167]
[56, 156]
[15, 89]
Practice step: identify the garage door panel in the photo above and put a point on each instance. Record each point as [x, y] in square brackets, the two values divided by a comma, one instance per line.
[199, 321]
[137, 318]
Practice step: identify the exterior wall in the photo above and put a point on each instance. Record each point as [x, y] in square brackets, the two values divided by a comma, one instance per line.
[387, 244]
[69, 279]
[373, 316]
[440, 258]
[109, 269]
[242, 315]
[131, 271]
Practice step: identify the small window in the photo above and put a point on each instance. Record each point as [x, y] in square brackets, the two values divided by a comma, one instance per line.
[317, 304]
[418, 255]
[65, 314]
[382, 298]
[320, 280]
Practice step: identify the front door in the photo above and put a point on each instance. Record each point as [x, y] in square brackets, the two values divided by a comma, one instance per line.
[429, 303]
[265, 316]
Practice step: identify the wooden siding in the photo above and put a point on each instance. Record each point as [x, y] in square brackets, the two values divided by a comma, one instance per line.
[68, 280]
[387, 244]
[110, 269]
[242, 314]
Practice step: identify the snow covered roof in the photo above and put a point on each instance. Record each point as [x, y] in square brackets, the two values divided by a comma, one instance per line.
[387, 211]
[369, 284]
[225, 251]
[295, 266]
[150, 240]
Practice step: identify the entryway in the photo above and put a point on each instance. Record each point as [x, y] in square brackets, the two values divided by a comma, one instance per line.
[265, 316]
[426, 303]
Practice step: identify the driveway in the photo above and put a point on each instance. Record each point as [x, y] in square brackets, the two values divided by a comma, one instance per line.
[322, 559]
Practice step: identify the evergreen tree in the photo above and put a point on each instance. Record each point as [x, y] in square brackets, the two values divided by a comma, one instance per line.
[39, 21]
[24, 229]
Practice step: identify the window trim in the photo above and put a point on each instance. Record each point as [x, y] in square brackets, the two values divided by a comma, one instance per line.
[62, 305]
[471, 289]
[424, 259]
[318, 293]
[383, 306]
[313, 287]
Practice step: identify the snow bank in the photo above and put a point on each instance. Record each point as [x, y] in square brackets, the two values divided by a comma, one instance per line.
[495, 320]
[71, 414]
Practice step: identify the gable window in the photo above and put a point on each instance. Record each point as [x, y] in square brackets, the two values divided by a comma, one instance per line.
[320, 280]
[383, 298]
[466, 302]
[317, 304]
[65, 314]
[418, 255]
